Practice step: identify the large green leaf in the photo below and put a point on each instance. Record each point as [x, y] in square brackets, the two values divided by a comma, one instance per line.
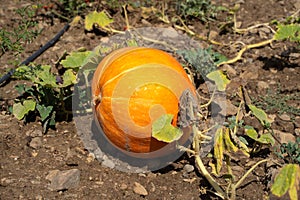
[99, 18]
[69, 78]
[290, 31]
[76, 59]
[163, 130]
[219, 78]
[20, 110]
[287, 180]
[44, 76]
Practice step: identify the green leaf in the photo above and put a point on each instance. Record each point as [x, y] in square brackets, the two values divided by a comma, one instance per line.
[218, 150]
[76, 59]
[44, 76]
[99, 18]
[266, 138]
[290, 31]
[287, 179]
[69, 78]
[252, 133]
[20, 110]
[217, 57]
[243, 140]
[163, 130]
[219, 78]
[44, 111]
[259, 114]
[200, 59]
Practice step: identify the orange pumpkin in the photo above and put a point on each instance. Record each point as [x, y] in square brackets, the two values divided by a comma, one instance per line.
[132, 87]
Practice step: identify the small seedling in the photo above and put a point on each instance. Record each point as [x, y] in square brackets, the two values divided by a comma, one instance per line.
[276, 101]
[290, 152]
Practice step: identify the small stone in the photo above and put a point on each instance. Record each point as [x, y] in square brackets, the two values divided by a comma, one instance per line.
[284, 137]
[274, 71]
[142, 175]
[188, 168]
[145, 22]
[63, 180]
[250, 74]
[294, 55]
[108, 163]
[34, 133]
[297, 122]
[7, 181]
[297, 131]
[287, 126]
[213, 34]
[139, 189]
[36, 143]
[271, 118]
[90, 158]
[262, 85]
[238, 24]
[153, 188]
[284, 117]
[39, 197]
[229, 70]
[104, 39]
[123, 186]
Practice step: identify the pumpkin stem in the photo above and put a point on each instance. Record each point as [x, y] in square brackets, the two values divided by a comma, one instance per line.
[96, 99]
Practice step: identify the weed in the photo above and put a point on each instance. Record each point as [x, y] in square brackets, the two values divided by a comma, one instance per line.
[48, 97]
[71, 9]
[203, 10]
[14, 40]
[290, 152]
[277, 101]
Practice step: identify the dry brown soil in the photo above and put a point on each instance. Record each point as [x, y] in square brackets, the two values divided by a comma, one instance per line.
[23, 169]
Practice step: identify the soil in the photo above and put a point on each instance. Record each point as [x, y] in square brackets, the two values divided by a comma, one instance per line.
[25, 166]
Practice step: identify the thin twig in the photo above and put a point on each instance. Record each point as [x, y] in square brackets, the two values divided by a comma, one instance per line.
[126, 17]
[235, 186]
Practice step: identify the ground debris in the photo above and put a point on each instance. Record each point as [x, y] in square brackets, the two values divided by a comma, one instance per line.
[139, 189]
[63, 180]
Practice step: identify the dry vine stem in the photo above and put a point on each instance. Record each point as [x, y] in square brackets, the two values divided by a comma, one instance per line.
[189, 31]
[230, 193]
[200, 165]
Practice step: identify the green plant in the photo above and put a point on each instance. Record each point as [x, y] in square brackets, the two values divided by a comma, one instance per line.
[203, 10]
[277, 101]
[290, 152]
[15, 39]
[72, 8]
[49, 95]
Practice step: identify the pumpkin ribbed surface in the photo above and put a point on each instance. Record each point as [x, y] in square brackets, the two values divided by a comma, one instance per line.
[135, 86]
